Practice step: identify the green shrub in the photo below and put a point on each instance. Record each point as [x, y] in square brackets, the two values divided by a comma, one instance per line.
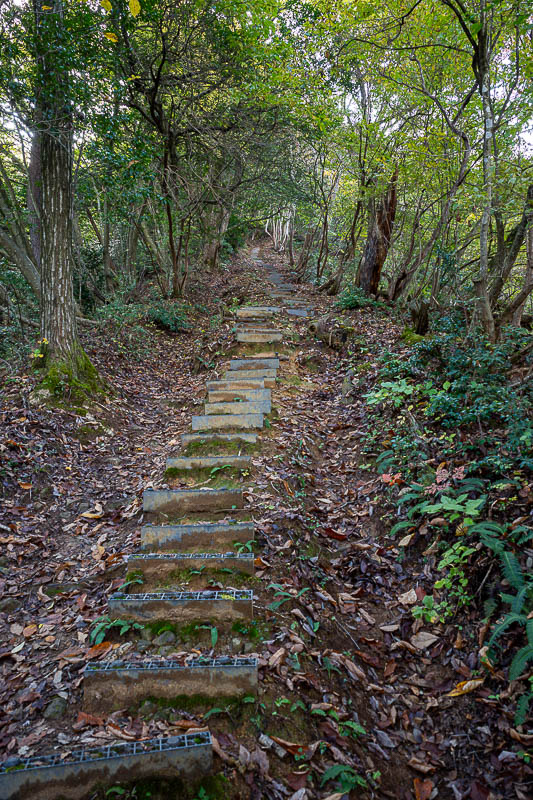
[353, 298]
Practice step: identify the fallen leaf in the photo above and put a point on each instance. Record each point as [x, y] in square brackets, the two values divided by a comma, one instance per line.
[423, 639]
[423, 788]
[408, 598]
[420, 766]
[98, 650]
[405, 541]
[464, 687]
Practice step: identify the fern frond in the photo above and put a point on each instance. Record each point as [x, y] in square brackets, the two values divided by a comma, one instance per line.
[518, 601]
[520, 661]
[522, 707]
[508, 620]
[511, 569]
[529, 631]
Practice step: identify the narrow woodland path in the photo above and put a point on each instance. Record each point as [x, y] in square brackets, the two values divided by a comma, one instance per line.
[261, 641]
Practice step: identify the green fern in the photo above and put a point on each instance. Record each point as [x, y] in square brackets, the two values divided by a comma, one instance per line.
[511, 569]
[522, 707]
[508, 620]
[520, 661]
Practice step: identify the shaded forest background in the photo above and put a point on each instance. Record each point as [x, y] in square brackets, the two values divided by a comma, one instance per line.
[385, 152]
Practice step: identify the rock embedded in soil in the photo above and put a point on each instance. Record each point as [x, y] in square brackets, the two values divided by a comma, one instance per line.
[56, 708]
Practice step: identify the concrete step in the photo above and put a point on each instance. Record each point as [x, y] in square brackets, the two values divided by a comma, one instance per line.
[245, 374]
[209, 462]
[256, 338]
[111, 685]
[256, 312]
[182, 608]
[300, 312]
[225, 421]
[197, 535]
[236, 381]
[253, 363]
[160, 566]
[255, 326]
[261, 396]
[73, 774]
[181, 501]
[241, 436]
[237, 407]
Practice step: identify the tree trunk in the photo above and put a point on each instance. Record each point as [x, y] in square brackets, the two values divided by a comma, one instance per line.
[67, 368]
[217, 224]
[34, 197]
[378, 240]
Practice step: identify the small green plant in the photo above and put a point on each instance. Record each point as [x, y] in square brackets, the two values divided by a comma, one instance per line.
[132, 579]
[452, 508]
[455, 584]
[353, 298]
[244, 547]
[521, 605]
[352, 729]
[103, 625]
[347, 777]
[284, 594]
[393, 392]
[428, 611]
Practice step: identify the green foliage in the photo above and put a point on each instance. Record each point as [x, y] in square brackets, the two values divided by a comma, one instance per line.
[284, 595]
[104, 625]
[353, 298]
[169, 315]
[394, 392]
[346, 777]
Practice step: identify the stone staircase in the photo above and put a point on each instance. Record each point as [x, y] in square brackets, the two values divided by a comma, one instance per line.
[177, 538]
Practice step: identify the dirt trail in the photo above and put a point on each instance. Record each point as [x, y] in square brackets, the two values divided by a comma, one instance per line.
[352, 690]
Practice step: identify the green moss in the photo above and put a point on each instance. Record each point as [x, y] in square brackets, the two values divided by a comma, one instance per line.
[410, 337]
[196, 702]
[292, 380]
[215, 787]
[88, 433]
[227, 477]
[191, 632]
[255, 631]
[69, 379]
[179, 577]
[211, 447]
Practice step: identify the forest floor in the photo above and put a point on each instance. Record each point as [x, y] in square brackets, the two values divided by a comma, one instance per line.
[354, 691]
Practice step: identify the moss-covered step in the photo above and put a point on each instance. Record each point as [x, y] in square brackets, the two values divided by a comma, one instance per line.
[240, 436]
[300, 312]
[111, 685]
[235, 407]
[216, 422]
[181, 501]
[193, 463]
[163, 566]
[196, 535]
[254, 363]
[217, 607]
[246, 374]
[260, 396]
[256, 312]
[254, 338]
[73, 774]
[237, 382]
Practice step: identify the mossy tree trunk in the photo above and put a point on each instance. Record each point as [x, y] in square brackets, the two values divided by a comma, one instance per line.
[64, 364]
